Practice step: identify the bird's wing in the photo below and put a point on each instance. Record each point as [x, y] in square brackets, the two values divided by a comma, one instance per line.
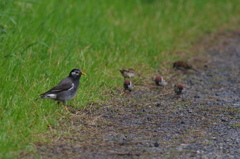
[64, 85]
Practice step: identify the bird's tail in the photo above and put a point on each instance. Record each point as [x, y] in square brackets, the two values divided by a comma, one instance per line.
[48, 95]
[41, 96]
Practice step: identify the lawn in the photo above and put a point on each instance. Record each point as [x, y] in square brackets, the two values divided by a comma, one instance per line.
[41, 41]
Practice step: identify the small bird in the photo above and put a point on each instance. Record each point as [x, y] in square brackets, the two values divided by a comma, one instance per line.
[178, 88]
[128, 73]
[181, 65]
[128, 86]
[66, 89]
[160, 81]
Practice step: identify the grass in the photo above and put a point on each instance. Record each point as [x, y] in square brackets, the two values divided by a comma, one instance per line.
[41, 41]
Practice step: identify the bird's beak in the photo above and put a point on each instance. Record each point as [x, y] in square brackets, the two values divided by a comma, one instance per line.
[83, 73]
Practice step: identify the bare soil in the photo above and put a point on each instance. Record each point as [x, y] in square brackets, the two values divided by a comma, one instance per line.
[153, 122]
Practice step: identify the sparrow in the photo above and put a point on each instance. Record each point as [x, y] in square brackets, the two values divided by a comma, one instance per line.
[66, 89]
[178, 88]
[160, 81]
[128, 86]
[128, 73]
[181, 65]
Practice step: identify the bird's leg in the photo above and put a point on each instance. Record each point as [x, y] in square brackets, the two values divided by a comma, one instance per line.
[130, 92]
[163, 88]
[64, 103]
[179, 98]
[58, 104]
[122, 92]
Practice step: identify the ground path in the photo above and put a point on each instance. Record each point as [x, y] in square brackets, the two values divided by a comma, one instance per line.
[153, 123]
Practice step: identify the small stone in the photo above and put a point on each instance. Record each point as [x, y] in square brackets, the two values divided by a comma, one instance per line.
[105, 116]
[158, 105]
[156, 144]
[208, 103]
[179, 148]
[223, 120]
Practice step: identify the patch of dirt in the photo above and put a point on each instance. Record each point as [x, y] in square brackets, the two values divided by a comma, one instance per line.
[203, 122]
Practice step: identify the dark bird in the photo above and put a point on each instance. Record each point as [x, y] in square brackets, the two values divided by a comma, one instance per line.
[178, 88]
[181, 65]
[128, 73]
[66, 89]
[160, 81]
[128, 86]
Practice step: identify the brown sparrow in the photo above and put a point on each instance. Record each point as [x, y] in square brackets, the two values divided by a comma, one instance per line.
[181, 65]
[128, 86]
[128, 73]
[160, 81]
[178, 88]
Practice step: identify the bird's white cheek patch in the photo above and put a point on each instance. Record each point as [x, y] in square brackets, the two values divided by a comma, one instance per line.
[53, 96]
[73, 73]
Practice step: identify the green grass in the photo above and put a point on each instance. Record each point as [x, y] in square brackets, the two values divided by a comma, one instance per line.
[41, 41]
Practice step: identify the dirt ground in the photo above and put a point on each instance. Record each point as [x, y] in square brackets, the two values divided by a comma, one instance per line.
[153, 122]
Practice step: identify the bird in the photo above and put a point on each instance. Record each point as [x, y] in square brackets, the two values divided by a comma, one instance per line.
[66, 88]
[178, 88]
[160, 81]
[181, 65]
[128, 73]
[128, 86]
